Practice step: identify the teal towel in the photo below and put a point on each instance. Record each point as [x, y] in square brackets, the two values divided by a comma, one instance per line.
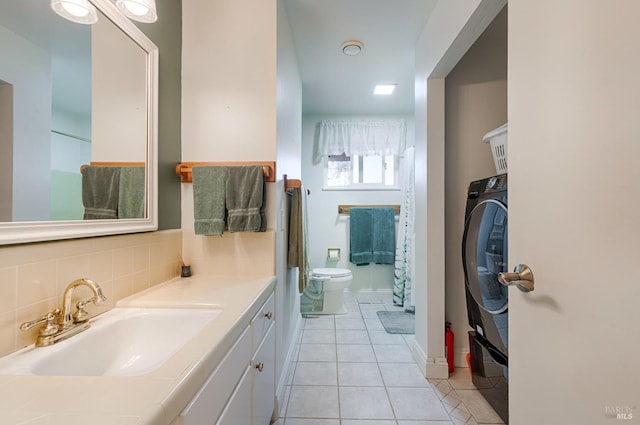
[384, 235]
[131, 198]
[245, 199]
[360, 236]
[209, 200]
[100, 192]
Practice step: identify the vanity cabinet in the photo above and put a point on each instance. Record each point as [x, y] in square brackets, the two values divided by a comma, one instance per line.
[241, 389]
[236, 411]
[263, 379]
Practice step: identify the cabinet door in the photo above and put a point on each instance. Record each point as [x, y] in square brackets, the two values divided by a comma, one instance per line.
[236, 411]
[262, 320]
[212, 397]
[264, 380]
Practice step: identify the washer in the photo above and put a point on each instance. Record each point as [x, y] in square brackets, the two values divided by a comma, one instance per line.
[484, 256]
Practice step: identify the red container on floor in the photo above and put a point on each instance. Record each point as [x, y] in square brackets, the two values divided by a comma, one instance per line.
[448, 343]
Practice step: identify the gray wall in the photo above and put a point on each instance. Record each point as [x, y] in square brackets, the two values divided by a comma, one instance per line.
[166, 33]
[475, 103]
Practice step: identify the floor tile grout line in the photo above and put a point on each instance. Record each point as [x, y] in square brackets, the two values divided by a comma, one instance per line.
[295, 366]
[337, 375]
[335, 343]
[386, 387]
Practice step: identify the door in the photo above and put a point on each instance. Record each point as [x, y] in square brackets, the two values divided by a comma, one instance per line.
[574, 211]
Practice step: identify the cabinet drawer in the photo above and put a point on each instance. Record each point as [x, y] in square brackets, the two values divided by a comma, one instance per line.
[210, 400]
[262, 320]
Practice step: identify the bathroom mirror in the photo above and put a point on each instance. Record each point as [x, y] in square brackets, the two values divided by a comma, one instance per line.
[72, 95]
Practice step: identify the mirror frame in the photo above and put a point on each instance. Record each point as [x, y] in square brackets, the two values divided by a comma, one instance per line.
[38, 231]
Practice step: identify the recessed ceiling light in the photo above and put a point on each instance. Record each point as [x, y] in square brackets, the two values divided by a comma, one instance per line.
[352, 47]
[384, 89]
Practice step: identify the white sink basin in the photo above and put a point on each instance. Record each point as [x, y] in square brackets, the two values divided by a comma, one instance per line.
[121, 342]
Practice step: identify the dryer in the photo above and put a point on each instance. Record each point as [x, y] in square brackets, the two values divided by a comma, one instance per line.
[484, 256]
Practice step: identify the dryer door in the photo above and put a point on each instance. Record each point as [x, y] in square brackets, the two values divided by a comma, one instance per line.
[484, 255]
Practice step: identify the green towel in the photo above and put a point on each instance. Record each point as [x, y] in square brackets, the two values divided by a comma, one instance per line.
[384, 235]
[209, 199]
[245, 199]
[297, 250]
[131, 199]
[360, 236]
[100, 192]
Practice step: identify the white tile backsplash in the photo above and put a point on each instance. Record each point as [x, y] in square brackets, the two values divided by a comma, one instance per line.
[34, 276]
[246, 253]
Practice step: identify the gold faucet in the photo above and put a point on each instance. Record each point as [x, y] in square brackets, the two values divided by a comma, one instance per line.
[67, 324]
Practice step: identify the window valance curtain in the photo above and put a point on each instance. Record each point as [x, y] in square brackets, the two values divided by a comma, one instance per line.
[362, 137]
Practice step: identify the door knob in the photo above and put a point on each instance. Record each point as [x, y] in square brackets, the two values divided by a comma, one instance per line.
[522, 277]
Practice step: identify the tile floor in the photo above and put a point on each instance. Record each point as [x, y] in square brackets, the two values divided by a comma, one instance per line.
[348, 371]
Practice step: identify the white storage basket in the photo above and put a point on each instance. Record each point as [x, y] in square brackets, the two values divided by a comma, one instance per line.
[497, 139]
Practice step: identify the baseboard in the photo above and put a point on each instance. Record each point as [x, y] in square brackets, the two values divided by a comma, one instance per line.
[437, 368]
[430, 367]
[460, 357]
[282, 382]
[373, 296]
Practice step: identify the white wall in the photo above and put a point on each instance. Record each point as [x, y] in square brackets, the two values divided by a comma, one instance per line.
[228, 87]
[119, 96]
[68, 154]
[450, 31]
[476, 102]
[328, 229]
[229, 80]
[28, 68]
[289, 130]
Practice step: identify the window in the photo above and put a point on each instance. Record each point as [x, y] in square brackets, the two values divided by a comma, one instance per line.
[361, 172]
[361, 154]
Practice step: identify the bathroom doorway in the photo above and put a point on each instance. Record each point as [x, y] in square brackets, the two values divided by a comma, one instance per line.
[343, 49]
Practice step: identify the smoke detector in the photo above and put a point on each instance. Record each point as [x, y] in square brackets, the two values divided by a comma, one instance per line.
[352, 47]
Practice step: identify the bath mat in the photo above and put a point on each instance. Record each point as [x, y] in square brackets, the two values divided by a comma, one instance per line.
[397, 322]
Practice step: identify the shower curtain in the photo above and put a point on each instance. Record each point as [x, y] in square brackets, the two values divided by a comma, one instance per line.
[405, 245]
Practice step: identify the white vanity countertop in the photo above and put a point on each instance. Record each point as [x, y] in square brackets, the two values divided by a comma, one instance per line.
[156, 398]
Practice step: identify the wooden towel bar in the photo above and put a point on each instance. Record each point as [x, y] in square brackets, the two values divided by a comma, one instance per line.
[113, 164]
[184, 169]
[344, 209]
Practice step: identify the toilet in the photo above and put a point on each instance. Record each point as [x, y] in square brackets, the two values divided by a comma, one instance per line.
[334, 282]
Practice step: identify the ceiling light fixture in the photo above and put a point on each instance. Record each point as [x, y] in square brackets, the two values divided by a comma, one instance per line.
[139, 10]
[352, 47]
[78, 11]
[384, 89]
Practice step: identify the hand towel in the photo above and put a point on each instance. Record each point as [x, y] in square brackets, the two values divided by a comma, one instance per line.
[209, 200]
[297, 250]
[100, 191]
[245, 199]
[131, 197]
[384, 235]
[360, 236]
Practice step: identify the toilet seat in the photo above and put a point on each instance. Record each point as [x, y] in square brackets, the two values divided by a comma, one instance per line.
[326, 273]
